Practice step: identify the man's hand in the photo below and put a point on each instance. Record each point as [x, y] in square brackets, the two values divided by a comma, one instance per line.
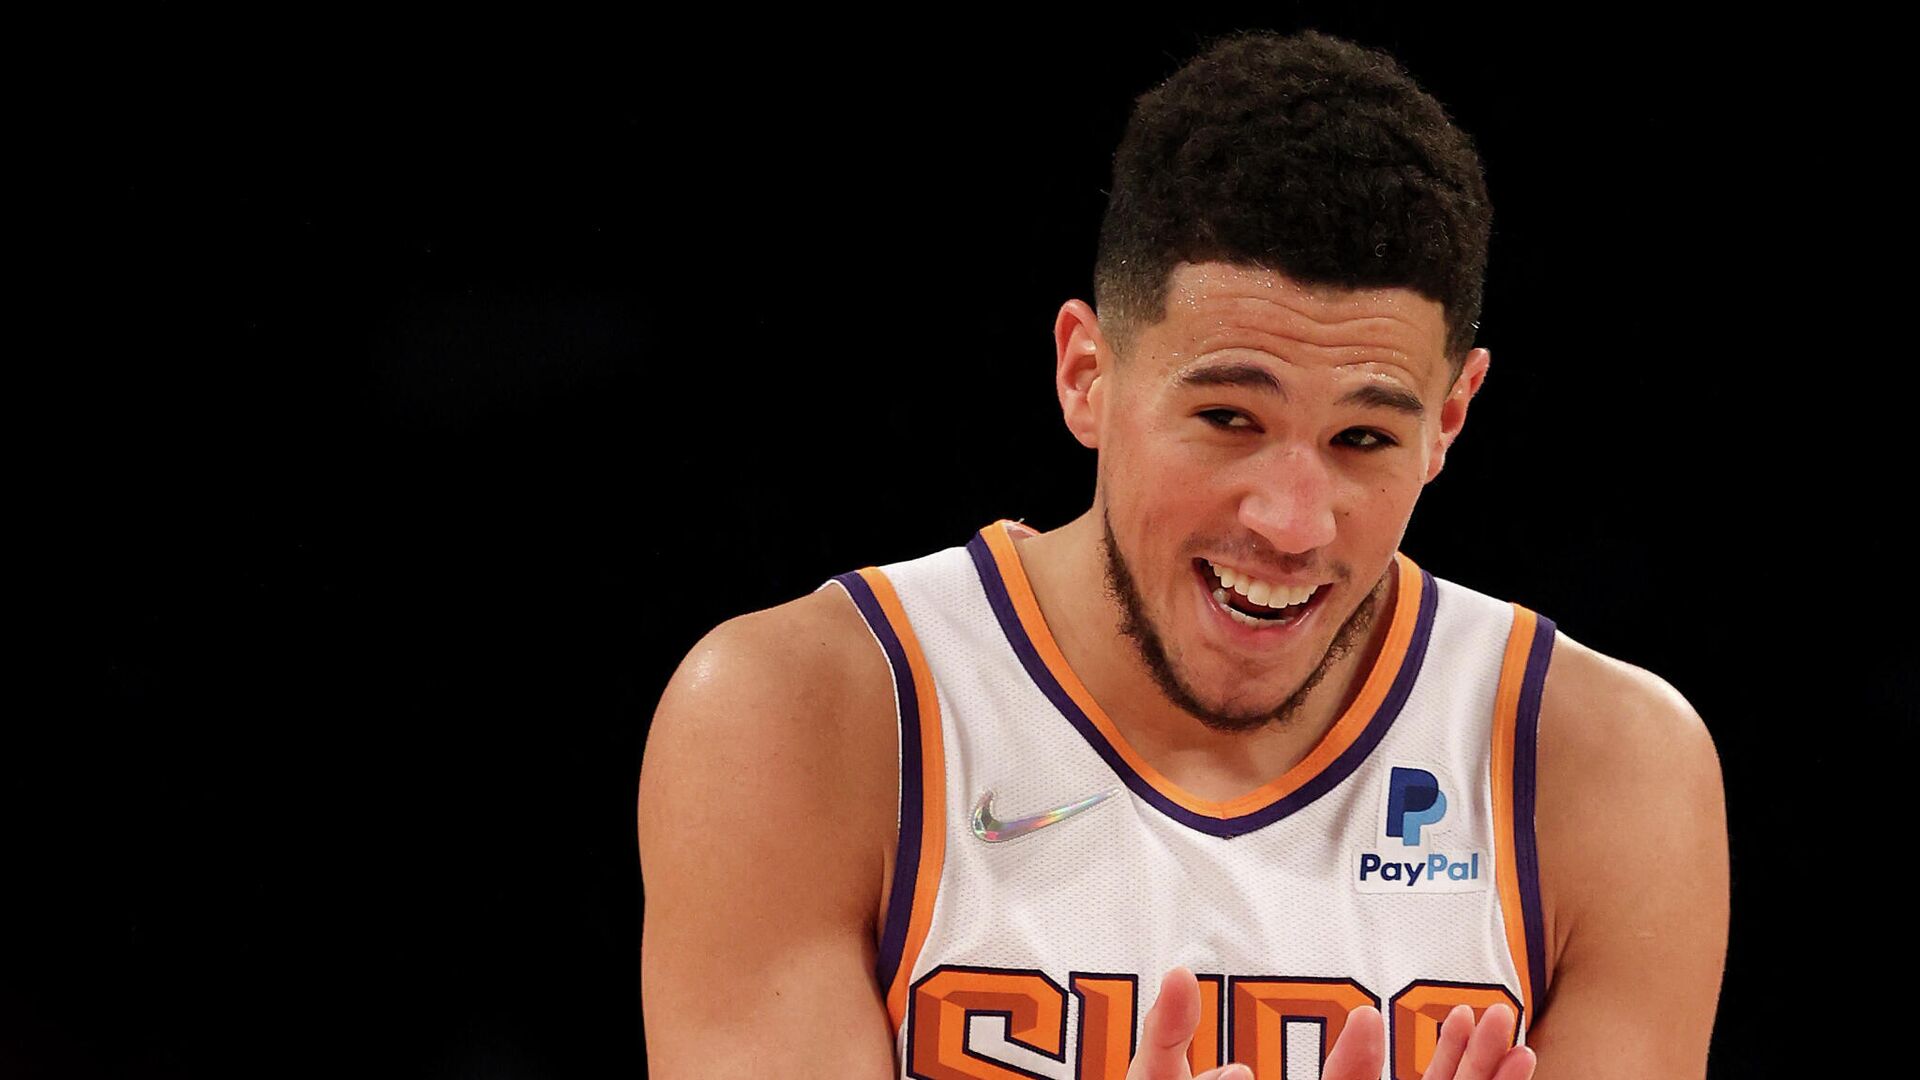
[1169, 1030]
[1463, 1052]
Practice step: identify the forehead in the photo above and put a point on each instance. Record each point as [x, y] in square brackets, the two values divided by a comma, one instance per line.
[1218, 306]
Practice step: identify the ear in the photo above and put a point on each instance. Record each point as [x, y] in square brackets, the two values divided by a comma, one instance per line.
[1081, 362]
[1453, 411]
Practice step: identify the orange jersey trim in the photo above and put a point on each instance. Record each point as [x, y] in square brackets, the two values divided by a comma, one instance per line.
[1339, 738]
[933, 801]
[1505, 775]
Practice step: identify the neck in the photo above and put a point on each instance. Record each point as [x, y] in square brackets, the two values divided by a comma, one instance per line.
[1067, 571]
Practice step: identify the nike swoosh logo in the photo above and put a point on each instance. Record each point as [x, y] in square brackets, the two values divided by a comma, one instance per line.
[994, 831]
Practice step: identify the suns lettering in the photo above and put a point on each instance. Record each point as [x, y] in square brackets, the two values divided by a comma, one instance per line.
[1414, 1019]
[1204, 1053]
[1263, 1007]
[1107, 1024]
[944, 1002]
[1255, 1011]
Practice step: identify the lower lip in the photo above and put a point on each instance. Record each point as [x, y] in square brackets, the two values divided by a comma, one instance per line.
[1262, 636]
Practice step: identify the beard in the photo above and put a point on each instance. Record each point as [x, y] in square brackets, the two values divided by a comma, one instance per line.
[1138, 628]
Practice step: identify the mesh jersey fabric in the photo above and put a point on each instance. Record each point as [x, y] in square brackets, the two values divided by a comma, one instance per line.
[1386, 869]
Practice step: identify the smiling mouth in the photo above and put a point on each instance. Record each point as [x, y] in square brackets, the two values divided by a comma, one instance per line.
[1242, 609]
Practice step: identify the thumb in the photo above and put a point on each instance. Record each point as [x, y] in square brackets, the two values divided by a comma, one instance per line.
[1168, 1029]
[1361, 1050]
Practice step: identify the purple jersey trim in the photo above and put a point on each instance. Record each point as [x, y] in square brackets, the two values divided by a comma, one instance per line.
[1526, 732]
[1341, 767]
[906, 863]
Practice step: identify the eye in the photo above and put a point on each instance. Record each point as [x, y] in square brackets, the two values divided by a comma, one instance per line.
[1210, 415]
[1380, 440]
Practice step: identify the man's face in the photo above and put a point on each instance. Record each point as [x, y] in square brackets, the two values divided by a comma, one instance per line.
[1280, 432]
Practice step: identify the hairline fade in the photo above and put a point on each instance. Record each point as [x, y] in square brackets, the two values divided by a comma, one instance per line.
[1305, 155]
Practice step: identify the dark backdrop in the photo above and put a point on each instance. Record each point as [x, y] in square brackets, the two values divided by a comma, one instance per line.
[439, 384]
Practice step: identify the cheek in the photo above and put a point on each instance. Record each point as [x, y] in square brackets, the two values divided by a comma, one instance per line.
[1146, 455]
[1181, 484]
[1160, 488]
[1179, 448]
[1381, 510]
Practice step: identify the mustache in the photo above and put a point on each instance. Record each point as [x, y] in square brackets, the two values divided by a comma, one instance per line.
[1279, 562]
[1137, 627]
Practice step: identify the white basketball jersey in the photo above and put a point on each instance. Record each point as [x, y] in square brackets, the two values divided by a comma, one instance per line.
[1047, 876]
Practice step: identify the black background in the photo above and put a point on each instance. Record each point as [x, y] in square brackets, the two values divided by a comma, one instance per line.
[431, 387]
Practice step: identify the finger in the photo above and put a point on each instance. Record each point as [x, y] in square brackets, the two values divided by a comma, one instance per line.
[1518, 1064]
[1168, 1028]
[1361, 1050]
[1491, 1039]
[1227, 1072]
[1454, 1031]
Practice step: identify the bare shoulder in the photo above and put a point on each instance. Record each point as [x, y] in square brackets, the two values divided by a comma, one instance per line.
[1631, 826]
[790, 703]
[758, 673]
[766, 825]
[1606, 715]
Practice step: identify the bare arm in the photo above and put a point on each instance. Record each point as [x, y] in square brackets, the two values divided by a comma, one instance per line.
[1633, 851]
[765, 808]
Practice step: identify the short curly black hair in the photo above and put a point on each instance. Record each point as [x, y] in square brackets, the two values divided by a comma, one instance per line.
[1305, 154]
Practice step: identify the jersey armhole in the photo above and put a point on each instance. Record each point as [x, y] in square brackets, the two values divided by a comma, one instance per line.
[921, 814]
[1516, 729]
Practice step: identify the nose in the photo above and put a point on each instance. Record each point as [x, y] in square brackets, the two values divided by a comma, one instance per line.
[1290, 502]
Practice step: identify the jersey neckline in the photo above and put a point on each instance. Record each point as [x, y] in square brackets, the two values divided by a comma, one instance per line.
[1383, 692]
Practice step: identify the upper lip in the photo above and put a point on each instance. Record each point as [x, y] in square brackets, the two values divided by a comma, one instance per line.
[1268, 576]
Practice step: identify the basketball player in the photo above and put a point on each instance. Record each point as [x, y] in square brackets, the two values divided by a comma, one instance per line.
[1212, 780]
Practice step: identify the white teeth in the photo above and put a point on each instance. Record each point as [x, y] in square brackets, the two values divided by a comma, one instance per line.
[1220, 597]
[1261, 592]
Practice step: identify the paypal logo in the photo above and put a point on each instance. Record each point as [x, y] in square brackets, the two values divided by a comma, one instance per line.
[1416, 817]
[1437, 867]
[1414, 800]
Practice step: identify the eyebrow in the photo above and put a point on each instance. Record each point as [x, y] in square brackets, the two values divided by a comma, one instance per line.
[1255, 377]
